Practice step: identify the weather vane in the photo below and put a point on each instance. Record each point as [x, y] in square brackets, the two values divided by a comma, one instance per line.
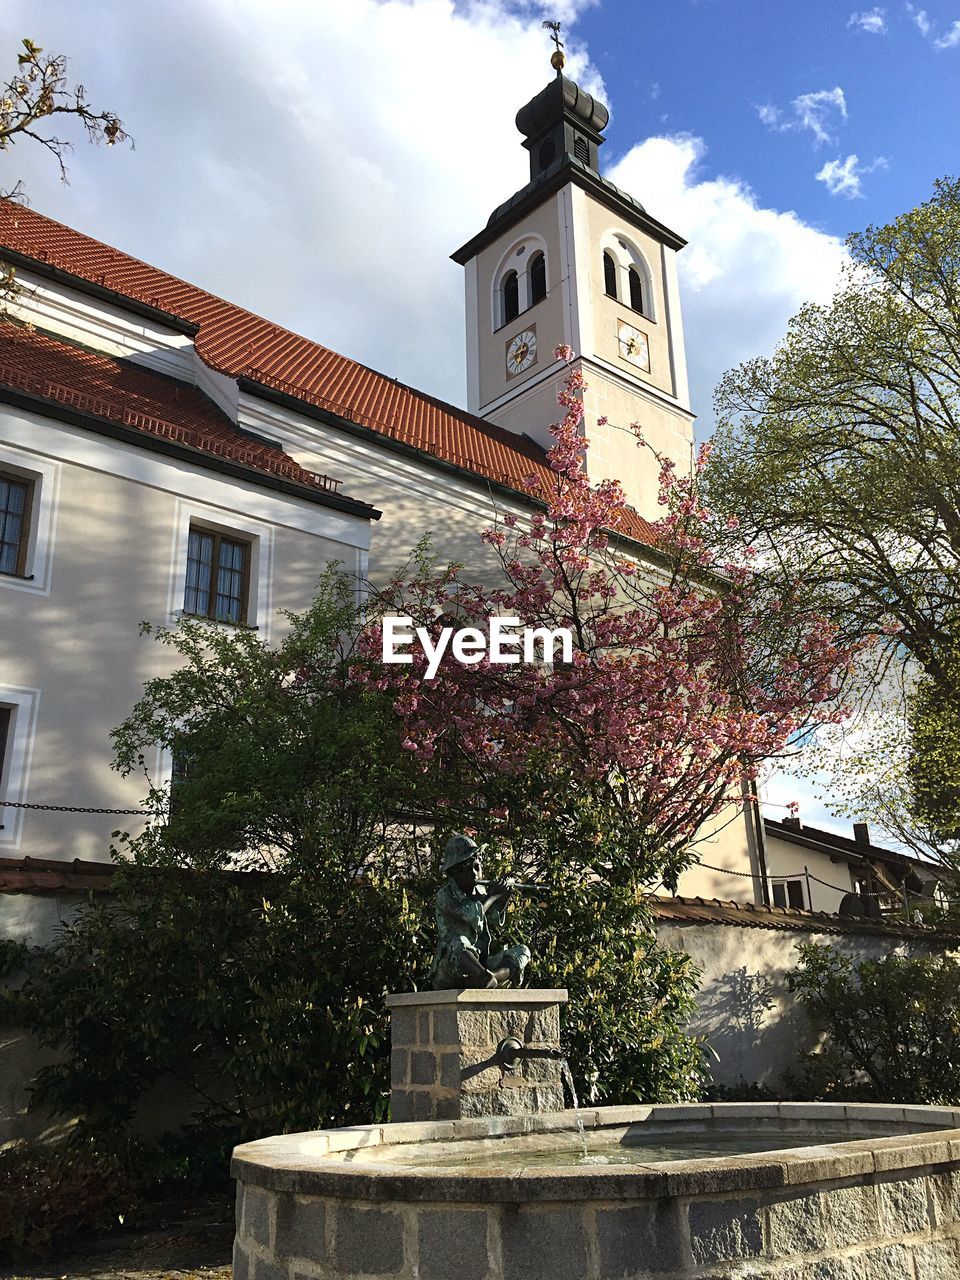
[558, 57]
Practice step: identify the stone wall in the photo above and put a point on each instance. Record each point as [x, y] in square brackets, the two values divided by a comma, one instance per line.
[886, 1209]
[752, 1022]
[442, 1039]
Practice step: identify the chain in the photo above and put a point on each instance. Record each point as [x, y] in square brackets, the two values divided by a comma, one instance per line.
[63, 808]
[798, 875]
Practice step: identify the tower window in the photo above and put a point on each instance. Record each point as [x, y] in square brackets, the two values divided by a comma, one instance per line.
[609, 275]
[581, 149]
[636, 289]
[538, 279]
[511, 297]
[547, 153]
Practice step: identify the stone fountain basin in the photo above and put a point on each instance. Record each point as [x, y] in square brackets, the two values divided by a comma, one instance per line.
[343, 1204]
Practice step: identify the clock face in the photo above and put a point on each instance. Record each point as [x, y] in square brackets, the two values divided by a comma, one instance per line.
[633, 345]
[522, 351]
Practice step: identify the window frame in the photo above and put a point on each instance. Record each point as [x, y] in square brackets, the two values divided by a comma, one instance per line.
[610, 273]
[537, 257]
[219, 537]
[786, 884]
[29, 483]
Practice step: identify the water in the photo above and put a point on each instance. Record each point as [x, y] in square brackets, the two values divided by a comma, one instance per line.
[567, 1076]
[546, 1150]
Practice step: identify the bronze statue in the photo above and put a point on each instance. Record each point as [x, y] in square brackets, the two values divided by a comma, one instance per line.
[465, 906]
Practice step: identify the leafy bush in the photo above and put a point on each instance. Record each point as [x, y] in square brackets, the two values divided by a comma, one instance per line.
[53, 1195]
[890, 1027]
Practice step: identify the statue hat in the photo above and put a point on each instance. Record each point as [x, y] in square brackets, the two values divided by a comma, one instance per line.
[458, 849]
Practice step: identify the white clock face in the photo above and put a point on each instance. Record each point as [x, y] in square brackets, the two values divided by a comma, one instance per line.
[633, 345]
[522, 351]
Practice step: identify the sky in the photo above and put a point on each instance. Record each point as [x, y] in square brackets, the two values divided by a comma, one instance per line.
[318, 160]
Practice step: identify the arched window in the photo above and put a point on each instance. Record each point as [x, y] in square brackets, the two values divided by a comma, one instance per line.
[609, 275]
[511, 297]
[538, 278]
[636, 289]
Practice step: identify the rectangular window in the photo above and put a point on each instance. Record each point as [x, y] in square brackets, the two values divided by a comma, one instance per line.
[6, 719]
[14, 523]
[218, 576]
[789, 893]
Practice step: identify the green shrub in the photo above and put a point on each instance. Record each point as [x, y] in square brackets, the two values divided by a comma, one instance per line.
[890, 1027]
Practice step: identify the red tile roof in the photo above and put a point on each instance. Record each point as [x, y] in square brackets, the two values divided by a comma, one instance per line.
[238, 343]
[122, 392]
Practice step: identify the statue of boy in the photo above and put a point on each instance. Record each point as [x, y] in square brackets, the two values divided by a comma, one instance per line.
[464, 909]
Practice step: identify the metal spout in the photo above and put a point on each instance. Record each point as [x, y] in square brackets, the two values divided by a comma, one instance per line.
[511, 1051]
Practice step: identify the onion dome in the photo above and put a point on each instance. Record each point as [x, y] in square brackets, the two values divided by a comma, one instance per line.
[562, 122]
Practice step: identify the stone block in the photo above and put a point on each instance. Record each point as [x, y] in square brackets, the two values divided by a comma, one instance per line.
[543, 1244]
[445, 1027]
[399, 1067]
[547, 1097]
[368, 1241]
[453, 1243]
[403, 1026]
[302, 1228]
[822, 1269]
[423, 1027]
[423, 1067]
[851, 1214]
[541, 1071]
[267, 1270]
[903, 1207]
[946, 1197]
[401, 1106]
[796, 1226]
[450, 1070]
[473, 1027]
[938, 1260]
[257, 1214]
[641, 1238]
[891, 1262]
[723, 1230]
[543, 1026]
[242, 1268]
[423, 1105]
[448, 1108]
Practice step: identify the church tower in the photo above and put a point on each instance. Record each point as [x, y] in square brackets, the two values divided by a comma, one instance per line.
[571, 259]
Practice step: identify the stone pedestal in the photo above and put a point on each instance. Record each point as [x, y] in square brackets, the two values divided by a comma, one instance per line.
[440, 1037]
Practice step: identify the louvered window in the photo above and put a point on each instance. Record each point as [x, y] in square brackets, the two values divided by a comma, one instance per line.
[636, 289]
[538, 279]
[547, 153]
[581, 149]
[218, 576]
[511, 297]
[609, 275]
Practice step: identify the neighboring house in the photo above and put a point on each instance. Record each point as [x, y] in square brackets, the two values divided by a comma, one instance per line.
[813, 870]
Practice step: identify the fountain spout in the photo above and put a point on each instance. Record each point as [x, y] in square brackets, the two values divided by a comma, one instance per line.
[510, 1051]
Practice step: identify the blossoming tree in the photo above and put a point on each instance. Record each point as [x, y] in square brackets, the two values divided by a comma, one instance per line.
[685, 675]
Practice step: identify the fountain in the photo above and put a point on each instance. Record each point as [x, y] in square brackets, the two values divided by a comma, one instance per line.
[483, 1175]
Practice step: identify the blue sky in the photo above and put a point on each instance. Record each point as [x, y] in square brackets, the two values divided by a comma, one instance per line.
[882, 82]
[318, 160]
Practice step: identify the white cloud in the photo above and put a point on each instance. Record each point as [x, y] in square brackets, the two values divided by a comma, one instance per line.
[317, 162]
[746, 269]
[919, 16]
[815, 112]
[843, 177]
[873, 21]
[951, 39]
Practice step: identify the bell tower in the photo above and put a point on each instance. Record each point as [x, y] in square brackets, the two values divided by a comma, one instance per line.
[571, 259]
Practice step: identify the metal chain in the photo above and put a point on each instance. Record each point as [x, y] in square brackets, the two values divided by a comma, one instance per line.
[797, 875]
[63, 808]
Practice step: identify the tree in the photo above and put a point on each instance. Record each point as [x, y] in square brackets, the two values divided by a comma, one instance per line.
[683, 675]
[840, 456]
[36, 96]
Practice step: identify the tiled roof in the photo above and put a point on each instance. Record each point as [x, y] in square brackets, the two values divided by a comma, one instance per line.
[122, 392]
[47, 875]
[713, 911]
[240, 344]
